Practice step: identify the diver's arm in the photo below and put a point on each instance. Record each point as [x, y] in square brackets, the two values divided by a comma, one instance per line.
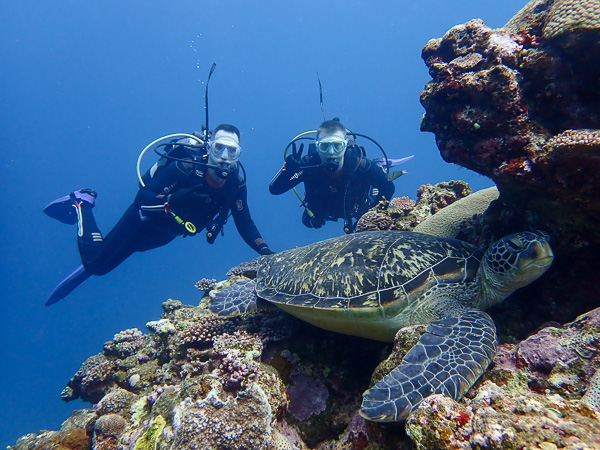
[155, 195]
[378, 179]
[289, 176]
[244, 223]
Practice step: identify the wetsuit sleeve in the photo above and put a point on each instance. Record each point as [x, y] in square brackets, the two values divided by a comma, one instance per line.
[378, 179]
[286, 179]
[244, 223]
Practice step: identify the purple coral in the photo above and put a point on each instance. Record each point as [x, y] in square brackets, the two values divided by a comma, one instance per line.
[202, 334]
[308, 396]
[236, 371]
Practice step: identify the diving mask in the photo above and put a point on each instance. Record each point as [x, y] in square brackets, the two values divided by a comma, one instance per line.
[226, 149]
[332, 145]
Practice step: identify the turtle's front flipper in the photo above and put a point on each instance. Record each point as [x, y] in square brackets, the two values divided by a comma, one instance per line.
[448, 359]
[239, 298]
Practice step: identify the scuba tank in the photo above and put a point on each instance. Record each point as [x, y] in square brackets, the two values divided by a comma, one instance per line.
[178, 147]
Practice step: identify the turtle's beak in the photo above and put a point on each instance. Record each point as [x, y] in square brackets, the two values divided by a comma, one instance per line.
[538, 255]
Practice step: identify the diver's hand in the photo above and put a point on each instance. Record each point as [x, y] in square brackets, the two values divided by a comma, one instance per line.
[317, 222]
[293, 161]
[181, 198]
[265, 250]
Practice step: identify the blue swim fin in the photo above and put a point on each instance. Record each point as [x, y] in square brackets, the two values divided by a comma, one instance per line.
[66, 286]
[63, 209]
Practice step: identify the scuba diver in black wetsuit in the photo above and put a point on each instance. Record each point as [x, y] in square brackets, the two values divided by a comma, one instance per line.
[194, 192]
[339, 181]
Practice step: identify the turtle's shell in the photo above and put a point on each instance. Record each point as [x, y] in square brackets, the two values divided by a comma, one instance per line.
[370, 284]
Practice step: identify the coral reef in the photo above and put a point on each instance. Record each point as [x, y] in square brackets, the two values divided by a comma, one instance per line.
[402, 213]
[125, 343]
[75, 434]
[293, 394]
[92, 381]
[496, 418]
[202, 334]
[505, 102]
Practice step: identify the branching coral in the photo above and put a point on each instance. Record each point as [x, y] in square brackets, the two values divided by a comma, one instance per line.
[202, 334]
[125, 343]
[206, 284]
[91, 381]
[237, 355]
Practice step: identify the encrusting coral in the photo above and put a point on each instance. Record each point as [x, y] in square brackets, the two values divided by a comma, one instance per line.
[404, 214]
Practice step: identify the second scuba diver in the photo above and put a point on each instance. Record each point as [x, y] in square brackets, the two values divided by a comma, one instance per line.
[194, 192]
[339, 181]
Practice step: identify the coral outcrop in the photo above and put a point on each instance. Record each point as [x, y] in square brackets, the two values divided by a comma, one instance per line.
[290, 393]
[402, 213]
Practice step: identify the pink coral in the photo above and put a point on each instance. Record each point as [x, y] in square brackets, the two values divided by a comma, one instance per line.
[403, 203]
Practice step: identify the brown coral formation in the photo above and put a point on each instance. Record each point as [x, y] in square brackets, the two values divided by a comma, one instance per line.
[125, 343]
[402, 213]
[496, 418]
[202, 334]
[496, 117]
[92, 381]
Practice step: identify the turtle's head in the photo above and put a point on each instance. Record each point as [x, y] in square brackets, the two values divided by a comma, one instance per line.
[512, 263]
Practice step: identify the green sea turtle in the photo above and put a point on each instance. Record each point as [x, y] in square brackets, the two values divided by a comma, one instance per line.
[372, 284]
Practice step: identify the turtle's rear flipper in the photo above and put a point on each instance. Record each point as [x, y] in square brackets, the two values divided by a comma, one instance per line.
[448, 359]
[239, 298]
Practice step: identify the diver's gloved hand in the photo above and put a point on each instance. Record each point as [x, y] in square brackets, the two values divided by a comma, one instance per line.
[181, 198]
[317, 222]
[293, 161]
[265, 250]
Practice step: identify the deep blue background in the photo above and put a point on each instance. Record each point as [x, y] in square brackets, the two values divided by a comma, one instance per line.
[86, 85]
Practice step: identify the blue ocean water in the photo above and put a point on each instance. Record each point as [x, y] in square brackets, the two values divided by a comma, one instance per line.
[87, 85]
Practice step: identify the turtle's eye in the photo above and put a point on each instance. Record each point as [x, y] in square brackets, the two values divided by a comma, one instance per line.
[514, 245]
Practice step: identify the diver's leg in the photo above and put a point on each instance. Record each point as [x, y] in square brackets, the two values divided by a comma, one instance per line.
[101, 255]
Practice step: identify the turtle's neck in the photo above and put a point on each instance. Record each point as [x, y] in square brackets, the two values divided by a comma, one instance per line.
[490, 291]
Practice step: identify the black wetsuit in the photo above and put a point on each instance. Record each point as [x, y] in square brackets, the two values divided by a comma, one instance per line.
[146, 224]
[333, 196]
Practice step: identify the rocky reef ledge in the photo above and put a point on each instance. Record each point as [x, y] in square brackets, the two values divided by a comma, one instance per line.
[268, 381]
